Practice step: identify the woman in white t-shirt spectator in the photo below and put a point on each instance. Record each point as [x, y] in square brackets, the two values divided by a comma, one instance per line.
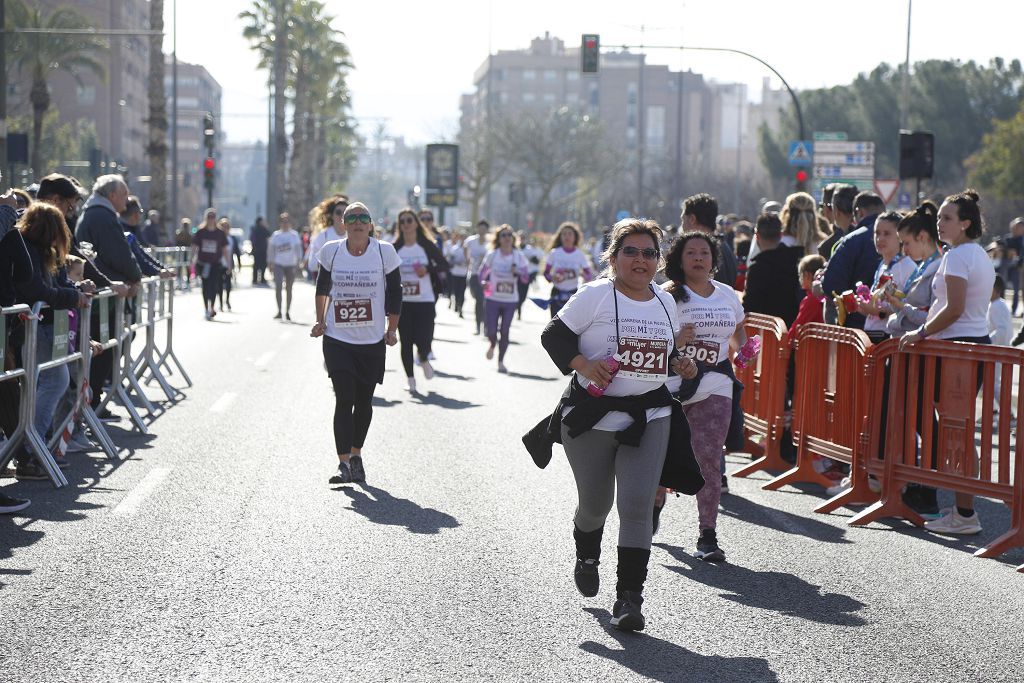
[502, 273]
[358, 302]
[566, 265]
[894, 266]
[711, 318]
[423, 267]
[963, 288]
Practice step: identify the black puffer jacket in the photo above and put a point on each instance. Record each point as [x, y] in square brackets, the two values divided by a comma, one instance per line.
[42, 286]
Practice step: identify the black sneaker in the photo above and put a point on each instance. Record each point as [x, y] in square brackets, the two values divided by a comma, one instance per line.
[626, 614]
[921, 499]
[725, 484]
[278, 316]
[287, 316]
[9, 505]
[707, 547]
[344, 475]
[588, 581]
[30, 470]
[355, 465]
[107, 416]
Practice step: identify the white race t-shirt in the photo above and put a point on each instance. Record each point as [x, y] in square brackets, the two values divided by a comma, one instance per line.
[317, 243]
[503, 280]
[415, 289]
[715, 318]
[285, 249]
[566, 268]
[477, 248]
[968, 262]
[534, 257]
[900, 271]
[645, 335]
[456, 256]
[355, 313]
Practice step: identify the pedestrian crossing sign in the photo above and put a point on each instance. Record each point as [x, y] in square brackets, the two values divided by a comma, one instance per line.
[800, 153]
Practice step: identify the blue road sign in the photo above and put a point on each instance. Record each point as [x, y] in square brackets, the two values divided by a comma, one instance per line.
[800, 152]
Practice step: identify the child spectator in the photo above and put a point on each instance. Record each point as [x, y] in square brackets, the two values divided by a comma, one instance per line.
[812, 305]
[1000, 327]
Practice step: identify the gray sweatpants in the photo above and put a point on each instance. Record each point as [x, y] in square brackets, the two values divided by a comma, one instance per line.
[601, 465]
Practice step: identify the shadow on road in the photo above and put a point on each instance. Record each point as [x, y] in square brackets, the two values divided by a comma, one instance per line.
[754, 513]
[383, 508]
[776, 591]
[662, 660]
[379, 402]
[523, 375]
[435, 399]
[450, 375]
[451, 341]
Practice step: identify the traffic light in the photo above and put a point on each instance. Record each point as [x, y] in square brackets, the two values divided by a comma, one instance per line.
[209, 131]
[917, 154]
[590, 53]
[209, 169]
[801, 180]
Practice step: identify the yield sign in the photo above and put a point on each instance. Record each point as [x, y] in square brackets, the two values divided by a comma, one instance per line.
[887, 189]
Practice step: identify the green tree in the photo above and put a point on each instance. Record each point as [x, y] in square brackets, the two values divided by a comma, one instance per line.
[998, 166]
[41, 54]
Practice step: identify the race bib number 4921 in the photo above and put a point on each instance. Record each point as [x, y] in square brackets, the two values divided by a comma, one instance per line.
[643, 359]
[702, 352]
[352, 312]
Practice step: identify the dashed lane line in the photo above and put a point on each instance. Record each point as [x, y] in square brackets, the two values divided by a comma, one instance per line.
[223, 403]
[265, 358]
[134, 500]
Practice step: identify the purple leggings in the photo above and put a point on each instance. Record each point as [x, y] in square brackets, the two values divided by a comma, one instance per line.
[709, 424]
[494, 310]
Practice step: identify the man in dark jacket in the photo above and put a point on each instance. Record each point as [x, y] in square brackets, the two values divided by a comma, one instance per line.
[773, 283]
[99, 225]
[855, 259]
[259, 236]
[700, 213]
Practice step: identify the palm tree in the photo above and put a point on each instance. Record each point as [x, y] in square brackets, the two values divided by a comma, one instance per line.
[157, 120]
[267, 30]
[41, 54]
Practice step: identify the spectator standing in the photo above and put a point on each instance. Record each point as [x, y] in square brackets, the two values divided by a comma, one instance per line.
[773, 284]
[893, 264]
[854, 258]
[152, 231]
[919, 237]
[700, 212]
[1014, 245]
[259, 236]
[839, 205]
[811, 306]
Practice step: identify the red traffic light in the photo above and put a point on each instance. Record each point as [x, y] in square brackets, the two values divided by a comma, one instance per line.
[591, 43]
[209, 164]
[801, 176]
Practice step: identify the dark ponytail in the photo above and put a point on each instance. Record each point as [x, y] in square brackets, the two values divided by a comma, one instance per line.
[922, 219]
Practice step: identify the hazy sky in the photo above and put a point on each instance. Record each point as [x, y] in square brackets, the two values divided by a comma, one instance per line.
[413, 60]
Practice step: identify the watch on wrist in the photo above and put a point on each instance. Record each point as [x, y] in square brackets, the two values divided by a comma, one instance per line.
[921, 333]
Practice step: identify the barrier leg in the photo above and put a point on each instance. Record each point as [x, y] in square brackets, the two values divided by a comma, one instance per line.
[803, 472]
[770, 460]
[133, 414]
[100, 432]
[859, 493]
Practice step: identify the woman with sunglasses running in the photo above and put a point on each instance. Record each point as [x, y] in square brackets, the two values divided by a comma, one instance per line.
[358, 302]
[328, 219]
[423, 266]
[712, 318]
[502, 273]
[566, 265]
[615, 455]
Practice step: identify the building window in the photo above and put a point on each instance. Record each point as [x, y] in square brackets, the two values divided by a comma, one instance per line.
[549, 98]
[499, 74]
[529, 97]
[631, 93]
[572, 75]
[86, 94]
[550, 75]
[654, 126]
[529, 75]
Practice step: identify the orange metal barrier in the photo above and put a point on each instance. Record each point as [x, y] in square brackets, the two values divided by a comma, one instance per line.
[949, 457]
[830, 401]
[764, 394]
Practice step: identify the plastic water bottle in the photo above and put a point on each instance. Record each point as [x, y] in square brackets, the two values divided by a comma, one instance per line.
[748, 352]
[863, 292]
[613, 367]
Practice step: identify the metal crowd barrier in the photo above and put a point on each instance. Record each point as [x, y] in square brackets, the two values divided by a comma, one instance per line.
[176, 259]
[153, 304]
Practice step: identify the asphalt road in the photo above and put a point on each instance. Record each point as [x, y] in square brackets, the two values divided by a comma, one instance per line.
[218, 551]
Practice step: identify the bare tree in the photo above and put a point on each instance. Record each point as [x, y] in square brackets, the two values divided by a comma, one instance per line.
[156, 148]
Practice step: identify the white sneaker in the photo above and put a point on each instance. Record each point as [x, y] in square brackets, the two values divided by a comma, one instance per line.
[428, 369]
[842, 486]
[412, 385]
[79, 442]
[955, 523]
[490, 352]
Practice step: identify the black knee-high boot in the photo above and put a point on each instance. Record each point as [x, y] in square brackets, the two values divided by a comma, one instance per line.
[588, 557]
[631, 572]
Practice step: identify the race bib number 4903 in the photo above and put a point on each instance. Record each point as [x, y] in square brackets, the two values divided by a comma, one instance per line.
[353, 312]
[643, 359]
[702, 352]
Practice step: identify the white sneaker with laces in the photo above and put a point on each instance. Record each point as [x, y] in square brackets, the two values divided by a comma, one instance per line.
[428, 369]
[954, 523]
[412, 385]
[842, 486]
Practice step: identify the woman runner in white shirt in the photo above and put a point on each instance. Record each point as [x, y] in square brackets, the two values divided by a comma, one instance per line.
[329, 219]
[358, 302]
[502, 273]
[285, 255]
[566, 265]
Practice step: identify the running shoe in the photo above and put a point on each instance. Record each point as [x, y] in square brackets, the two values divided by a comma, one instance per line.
[106, 416]
[288, 316]
[79, 442]
[30, 470]
[707, 547]
[588, 581]
[725, 484]
[501, 368]
[412, 385]
[9, 505]
[344, 475]
[955, 523]
[355, 464]
[490, 352]
[428, 369]
[626, 614]
[278, 316]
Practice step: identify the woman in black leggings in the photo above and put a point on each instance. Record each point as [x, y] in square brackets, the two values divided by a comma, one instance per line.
[423, 271]
[358, 302]
[209, 251]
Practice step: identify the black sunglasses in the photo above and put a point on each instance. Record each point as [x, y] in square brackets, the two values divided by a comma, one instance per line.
[353, 218]
[632, 252]
[408, 220]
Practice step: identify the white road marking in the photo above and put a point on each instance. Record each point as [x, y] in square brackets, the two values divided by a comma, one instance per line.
[285, 335]
[133, 501]
[265, 358]
[223, 403]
